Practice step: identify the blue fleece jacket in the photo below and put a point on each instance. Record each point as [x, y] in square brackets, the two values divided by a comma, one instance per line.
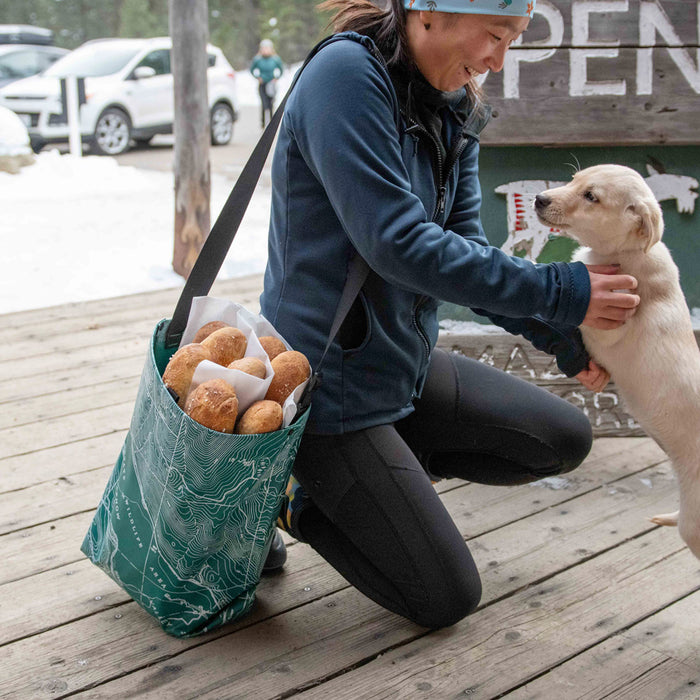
[350, 175]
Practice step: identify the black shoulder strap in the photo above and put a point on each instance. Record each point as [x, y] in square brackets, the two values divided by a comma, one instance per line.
[222, 233]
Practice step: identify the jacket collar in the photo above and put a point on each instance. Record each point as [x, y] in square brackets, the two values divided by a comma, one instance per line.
[419, 100]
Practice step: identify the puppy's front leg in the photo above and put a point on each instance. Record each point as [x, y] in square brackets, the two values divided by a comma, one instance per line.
[669, 519]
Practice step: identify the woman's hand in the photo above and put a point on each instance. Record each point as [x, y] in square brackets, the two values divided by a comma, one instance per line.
[612, 302]
[594, 377]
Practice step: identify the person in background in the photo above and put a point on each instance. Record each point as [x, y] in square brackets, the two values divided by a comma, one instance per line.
[378, 156]
[267, 67]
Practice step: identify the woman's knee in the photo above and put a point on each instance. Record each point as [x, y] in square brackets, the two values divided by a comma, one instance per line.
[572, 439]
[449, 602]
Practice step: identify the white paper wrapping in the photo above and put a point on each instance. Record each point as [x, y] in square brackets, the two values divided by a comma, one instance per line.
[248, 388]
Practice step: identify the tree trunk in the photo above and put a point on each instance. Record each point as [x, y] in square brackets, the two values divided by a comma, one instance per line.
[189, 32]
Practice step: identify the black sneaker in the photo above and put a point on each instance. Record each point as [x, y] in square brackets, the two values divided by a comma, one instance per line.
[276, 555]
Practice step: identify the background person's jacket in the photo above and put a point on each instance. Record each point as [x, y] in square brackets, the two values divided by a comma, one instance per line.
[351, 172]
[267, 67]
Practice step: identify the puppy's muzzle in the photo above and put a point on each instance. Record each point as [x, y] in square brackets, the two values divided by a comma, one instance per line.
[542, 201]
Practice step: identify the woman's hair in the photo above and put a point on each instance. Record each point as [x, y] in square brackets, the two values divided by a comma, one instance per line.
[386, 27]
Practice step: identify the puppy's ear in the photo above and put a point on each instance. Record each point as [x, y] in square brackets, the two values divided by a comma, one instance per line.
[649, 221]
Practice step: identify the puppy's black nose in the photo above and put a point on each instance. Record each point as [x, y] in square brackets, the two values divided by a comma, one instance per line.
[542, 201]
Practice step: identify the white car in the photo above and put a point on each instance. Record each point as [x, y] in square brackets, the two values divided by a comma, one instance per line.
[128, 95]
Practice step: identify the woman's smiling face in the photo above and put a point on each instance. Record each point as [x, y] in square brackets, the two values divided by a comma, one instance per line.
[459, 47]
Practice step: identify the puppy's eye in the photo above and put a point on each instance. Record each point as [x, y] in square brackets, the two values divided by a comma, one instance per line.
[590, 196]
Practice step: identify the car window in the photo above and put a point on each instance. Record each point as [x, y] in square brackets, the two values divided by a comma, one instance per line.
[158, 60]
[93, 60]
[211, 59]
[46, 59]
[19, 64]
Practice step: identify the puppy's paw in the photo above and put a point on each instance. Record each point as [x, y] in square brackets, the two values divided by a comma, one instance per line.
[668, 519]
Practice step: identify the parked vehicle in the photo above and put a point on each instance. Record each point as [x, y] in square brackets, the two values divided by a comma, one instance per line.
[25, 34]
[19, 61]
[128, 95]
[25, 51]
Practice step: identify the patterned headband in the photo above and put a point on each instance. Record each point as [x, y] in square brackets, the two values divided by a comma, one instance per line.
[512, 8]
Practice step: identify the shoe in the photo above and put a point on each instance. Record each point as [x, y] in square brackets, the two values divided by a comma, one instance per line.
[295, 502]
[276, 555]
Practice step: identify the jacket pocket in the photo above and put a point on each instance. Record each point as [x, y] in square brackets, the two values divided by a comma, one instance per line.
[355, 332]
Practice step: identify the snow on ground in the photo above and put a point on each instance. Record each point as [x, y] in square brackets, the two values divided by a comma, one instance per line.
[74, 229]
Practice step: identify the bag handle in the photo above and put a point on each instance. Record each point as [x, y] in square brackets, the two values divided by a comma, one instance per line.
[218, 242]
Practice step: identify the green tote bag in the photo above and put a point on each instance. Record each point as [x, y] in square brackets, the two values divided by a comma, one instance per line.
[188, 515]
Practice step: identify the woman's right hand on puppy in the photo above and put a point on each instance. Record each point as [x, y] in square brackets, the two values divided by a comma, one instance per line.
[612, 301]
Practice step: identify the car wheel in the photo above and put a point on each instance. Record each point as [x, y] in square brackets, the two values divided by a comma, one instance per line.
[112, 133]
[221, 124]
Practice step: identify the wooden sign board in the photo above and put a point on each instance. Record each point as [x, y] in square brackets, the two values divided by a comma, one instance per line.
[605, 411]
[593, 72]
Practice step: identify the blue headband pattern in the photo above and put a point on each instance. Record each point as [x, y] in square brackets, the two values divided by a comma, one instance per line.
[512, 8]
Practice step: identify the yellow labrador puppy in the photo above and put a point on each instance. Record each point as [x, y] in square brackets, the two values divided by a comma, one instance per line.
[653, 357]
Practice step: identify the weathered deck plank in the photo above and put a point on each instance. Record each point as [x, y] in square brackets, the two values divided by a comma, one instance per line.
[657, 658]
[33, 550]
[22, 388]
[64, 403]
[530, 631]
[65, 429]
[30, 468]
[583, 596]
[560, 535]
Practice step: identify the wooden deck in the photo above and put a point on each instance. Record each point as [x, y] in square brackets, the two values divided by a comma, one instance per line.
[583, 596]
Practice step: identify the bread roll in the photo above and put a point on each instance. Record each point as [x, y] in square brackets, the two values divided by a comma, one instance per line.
[261, 417]
[250, 365]
[272, 346]
[226, 345]
[207, 329]
[179, 371]
[291, 369]
[213, 404]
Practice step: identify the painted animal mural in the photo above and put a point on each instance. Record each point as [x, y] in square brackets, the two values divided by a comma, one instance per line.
[526, 235]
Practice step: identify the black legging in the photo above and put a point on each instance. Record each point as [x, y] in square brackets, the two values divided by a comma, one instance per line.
[267, 103]
[375, 516]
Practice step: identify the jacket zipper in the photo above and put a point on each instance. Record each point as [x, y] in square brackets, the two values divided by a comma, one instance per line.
[419, 329]
[439, 174]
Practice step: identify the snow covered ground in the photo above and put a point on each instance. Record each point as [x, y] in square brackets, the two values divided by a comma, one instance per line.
[74, 229]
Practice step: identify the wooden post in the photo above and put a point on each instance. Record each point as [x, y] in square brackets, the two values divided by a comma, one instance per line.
[189, 32]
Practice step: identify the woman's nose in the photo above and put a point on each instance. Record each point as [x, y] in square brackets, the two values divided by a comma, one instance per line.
[497, 58]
